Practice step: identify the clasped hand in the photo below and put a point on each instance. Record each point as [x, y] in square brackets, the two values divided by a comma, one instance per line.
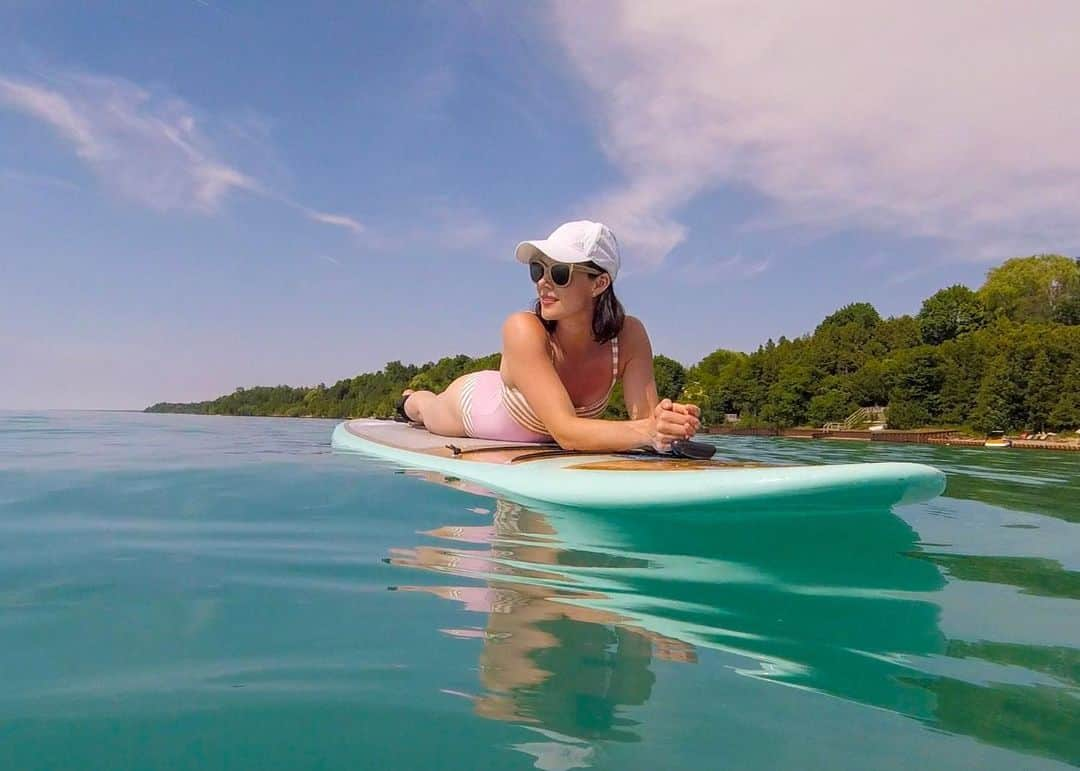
[672, 420]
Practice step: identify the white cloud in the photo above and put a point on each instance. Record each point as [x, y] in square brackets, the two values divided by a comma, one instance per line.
[945, 120]
[736, 267]
[338, 220]
[38, 180]
[147, 147]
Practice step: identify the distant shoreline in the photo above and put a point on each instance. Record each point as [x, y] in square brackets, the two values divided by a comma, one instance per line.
[929, 435]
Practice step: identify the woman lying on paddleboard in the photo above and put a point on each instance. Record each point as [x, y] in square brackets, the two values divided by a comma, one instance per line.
[560, 362]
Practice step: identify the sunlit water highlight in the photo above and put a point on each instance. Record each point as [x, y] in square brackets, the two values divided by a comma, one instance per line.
[188, 592]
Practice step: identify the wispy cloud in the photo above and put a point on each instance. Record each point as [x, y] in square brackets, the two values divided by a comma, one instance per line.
[147, 147]
[338, 220]
[737, 267]
[949, 121]
[754, 268]
[37, 180]
[329, 259]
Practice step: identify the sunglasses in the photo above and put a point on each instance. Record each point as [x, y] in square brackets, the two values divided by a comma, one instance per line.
[558, 273]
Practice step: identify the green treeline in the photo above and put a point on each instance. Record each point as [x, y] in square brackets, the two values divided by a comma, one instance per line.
[1006, 356]
[372, 394]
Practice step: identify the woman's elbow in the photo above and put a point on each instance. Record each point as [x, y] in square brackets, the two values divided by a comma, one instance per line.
[567, 437]
[566, 442]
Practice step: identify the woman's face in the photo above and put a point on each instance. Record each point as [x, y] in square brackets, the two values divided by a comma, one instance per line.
[559, 302]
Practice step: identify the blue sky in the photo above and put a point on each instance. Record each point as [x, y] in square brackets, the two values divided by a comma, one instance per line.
[204, 194]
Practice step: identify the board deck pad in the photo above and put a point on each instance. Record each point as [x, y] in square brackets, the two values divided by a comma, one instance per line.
[409, 436]
[545, 473]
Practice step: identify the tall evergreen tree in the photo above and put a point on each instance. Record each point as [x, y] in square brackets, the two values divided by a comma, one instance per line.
[1001, 397]
[1042, 392]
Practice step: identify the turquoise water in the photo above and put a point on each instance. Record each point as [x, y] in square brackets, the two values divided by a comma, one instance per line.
[181, 592]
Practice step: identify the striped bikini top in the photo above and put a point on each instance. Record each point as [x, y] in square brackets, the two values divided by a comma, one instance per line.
[514, 401]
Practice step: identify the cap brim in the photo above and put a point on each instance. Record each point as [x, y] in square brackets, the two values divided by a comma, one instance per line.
[526, 250]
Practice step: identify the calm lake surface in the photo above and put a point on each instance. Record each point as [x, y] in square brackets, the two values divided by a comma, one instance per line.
[182, 592]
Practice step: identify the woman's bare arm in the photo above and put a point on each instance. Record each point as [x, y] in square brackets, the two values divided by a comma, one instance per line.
[639, 383]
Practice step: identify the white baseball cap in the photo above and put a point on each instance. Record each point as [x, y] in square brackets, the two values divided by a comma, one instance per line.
[581, 241]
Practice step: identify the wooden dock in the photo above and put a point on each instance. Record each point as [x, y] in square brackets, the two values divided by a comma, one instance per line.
[949, 438]
[1017, 444]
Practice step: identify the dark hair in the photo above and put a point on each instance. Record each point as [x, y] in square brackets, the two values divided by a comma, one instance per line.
[608, 314]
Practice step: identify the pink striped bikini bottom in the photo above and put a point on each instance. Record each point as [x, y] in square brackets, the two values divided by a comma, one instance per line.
[484, 415]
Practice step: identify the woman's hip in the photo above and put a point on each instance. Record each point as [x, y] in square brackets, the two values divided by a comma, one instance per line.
[485, 416]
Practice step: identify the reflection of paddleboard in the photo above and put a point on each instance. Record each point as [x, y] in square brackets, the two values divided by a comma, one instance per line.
[545, 473]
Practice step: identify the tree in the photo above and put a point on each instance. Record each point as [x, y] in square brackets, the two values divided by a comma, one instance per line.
[1068, 310]
[950, 313]
[959, 388]
[436, 377]
[1031, 288]
[783, 408]
[1066, 412]
[715, 363]
[898, 332]
[670, 377]
[903, 414]
[844, 341]
[917, 378]
[786, 399]
[395, 370]
[718, 384]
[867, 385]
[861, 314]
[1041, 393]
[1001, 397]
[833, 404]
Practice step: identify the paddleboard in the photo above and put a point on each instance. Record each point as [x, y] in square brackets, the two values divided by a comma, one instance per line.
[544, 473]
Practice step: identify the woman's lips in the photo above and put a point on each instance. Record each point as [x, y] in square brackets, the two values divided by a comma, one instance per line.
[547, 299]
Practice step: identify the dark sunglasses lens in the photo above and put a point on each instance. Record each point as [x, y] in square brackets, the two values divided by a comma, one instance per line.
[536, 271]
[560, 274]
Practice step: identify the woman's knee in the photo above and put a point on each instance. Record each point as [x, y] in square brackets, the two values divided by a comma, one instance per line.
[415, 404]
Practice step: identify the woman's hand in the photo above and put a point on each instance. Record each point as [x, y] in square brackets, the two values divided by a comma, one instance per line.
[670, 421]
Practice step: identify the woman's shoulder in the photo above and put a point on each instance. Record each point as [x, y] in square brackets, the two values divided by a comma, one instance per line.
[524, 326]
[632, 329]
[524, 321]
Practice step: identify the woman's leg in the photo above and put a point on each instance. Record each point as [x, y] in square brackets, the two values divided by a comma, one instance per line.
[439, 413]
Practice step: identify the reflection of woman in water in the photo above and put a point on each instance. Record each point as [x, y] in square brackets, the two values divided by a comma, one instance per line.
[834, 603]
[561, 666]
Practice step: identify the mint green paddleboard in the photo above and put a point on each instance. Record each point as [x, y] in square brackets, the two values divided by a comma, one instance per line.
[544, 473]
